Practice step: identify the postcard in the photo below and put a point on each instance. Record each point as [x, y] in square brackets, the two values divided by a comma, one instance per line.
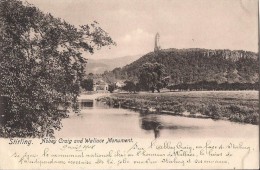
[129, 84]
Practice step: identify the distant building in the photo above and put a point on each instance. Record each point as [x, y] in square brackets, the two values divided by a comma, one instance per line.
[120, 84]
[100, 86]
[157, 46]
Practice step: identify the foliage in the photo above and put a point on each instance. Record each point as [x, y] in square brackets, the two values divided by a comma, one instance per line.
[87, 84]
[189, 66]
[129, 86]
[151, 76]
[204, 85]
[41, 67]
[111, 87]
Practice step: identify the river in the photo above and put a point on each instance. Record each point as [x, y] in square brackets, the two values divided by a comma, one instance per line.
[99, 120]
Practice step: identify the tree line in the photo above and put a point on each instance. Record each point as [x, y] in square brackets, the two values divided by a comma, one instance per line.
[218, 69]
[188, 66]
[41, 67]
[205, 85]
[153, 77]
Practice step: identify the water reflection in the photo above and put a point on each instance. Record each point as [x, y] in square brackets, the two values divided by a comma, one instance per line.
[97, 119]
[151, 124]
[157, 123]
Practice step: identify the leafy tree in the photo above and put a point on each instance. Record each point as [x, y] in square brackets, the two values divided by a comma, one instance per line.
[41, 67]
[111, 87]
[129, 86]
[151, 76]
[87, 84]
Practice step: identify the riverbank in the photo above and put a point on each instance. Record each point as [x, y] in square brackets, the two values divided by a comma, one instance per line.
[237, 106]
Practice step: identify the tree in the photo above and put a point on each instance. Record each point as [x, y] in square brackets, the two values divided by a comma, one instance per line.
[152, 76]
[87, 84]
[111, 87]
[41, 67]
[129, 86]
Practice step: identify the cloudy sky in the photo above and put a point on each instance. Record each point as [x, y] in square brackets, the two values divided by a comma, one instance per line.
[221, 24]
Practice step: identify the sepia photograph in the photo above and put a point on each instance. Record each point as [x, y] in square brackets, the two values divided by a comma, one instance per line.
[106, 77]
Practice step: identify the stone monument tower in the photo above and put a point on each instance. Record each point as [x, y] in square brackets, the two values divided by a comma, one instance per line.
[157, 46]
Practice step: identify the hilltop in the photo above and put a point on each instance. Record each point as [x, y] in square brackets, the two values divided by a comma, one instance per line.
[195, 65]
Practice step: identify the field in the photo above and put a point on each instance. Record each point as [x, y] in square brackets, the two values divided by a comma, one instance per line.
[239, 106]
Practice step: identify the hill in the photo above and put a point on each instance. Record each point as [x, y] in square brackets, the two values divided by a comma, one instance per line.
[99, 66]
[196, 65]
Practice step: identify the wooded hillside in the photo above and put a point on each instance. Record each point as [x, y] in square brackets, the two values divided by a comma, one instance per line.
[196, 65]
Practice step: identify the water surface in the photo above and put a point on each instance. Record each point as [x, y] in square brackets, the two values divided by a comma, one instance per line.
[99, 120]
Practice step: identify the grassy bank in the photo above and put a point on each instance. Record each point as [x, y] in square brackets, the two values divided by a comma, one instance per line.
[238, 106]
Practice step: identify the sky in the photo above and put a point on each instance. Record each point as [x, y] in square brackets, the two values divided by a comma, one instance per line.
[132, 24]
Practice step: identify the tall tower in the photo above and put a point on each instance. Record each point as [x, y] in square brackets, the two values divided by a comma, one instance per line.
[157, 46]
